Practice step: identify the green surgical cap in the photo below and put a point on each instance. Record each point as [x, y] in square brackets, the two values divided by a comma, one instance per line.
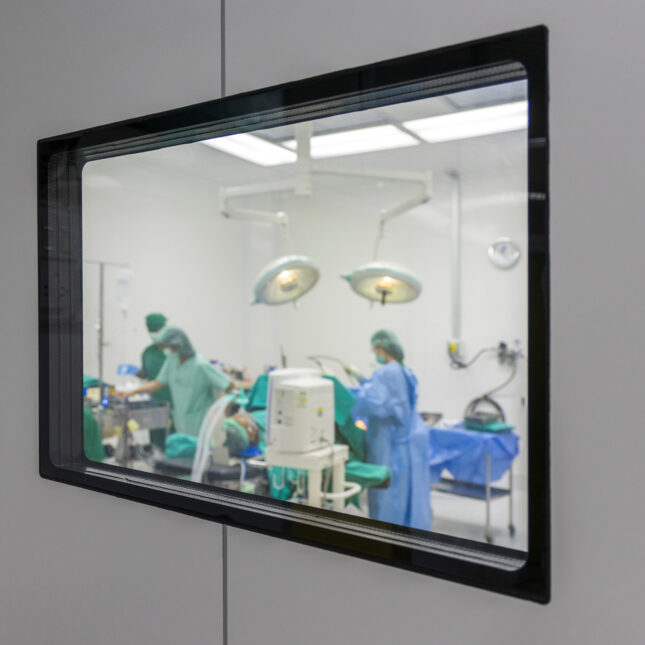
[237, 438]
[389, 342]
[176, 337]
[154, 322]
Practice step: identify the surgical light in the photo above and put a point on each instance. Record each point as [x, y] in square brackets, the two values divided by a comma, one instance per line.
[288, 281]
[384, 282]
[471, 123]
[252, 148]
[350, 142]
[285, 280]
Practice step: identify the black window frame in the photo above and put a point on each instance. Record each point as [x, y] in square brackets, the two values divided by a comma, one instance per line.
[60, 163]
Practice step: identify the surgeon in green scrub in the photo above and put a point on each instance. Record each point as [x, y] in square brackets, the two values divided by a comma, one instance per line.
[192, 380]
[152, 360]
[92, 443]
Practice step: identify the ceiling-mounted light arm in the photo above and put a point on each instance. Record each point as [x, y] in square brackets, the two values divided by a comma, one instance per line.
[371, 173]
[394, 211]
[230, 211]
[382, 281]
[421, 179]
[263, 188]
[277, 217]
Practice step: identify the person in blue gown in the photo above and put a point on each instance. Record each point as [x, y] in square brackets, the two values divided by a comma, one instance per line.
[396, 436]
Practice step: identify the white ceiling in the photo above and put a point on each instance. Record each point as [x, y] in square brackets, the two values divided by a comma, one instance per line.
[506, 151]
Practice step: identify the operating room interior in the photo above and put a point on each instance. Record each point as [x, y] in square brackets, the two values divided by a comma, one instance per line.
[161, 233]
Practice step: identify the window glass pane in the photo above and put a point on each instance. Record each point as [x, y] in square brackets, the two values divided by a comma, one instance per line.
[380, 255]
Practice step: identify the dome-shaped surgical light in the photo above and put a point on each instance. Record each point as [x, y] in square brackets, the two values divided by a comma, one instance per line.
[384, 282]
[285, 280]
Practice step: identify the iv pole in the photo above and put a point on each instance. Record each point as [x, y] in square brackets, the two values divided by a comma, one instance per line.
[99, 326]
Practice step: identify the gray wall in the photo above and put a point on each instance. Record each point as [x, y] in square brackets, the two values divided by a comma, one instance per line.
[67, 64]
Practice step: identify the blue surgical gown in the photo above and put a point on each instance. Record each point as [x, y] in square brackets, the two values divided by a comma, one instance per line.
[397, 438]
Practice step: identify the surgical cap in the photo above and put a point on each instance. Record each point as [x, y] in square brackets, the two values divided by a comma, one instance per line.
[389, 342]
[175, 337]
[154, 322]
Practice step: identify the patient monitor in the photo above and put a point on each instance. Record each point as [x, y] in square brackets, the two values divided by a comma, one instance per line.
[300, 410]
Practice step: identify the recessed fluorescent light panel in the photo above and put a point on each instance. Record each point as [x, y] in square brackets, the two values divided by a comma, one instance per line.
[352, 142]
[252, 148]
[471, 123]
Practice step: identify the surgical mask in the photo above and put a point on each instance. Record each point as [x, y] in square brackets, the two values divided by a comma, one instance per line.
[168, 352]
[156, 335]
[381, 360]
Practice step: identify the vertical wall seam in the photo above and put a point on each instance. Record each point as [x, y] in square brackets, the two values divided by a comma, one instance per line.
[224, 585]
[224, 528]
[222, 22]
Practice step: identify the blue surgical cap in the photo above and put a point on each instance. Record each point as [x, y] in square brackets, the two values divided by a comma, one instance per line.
[176, 337]
[389, 342]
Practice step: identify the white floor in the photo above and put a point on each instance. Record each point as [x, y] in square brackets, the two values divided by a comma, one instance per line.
[464, 517]
[461, 516]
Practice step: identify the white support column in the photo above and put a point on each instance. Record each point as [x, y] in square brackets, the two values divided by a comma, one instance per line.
[303, 143]
[338, 484]
[314, 487]
[455, 326]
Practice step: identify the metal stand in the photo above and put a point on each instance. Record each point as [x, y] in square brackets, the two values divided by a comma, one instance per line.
[314, 462]
[489, 537]
[147, 417]
[100, 323]
[509, 492]
[511, 526]
[485, 493]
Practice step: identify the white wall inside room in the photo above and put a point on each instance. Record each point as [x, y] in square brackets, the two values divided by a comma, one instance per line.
[340, 234]
[339, 230]
[158, 212]
[187, 262]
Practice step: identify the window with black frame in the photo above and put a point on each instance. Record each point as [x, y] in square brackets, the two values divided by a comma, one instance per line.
[318, 310]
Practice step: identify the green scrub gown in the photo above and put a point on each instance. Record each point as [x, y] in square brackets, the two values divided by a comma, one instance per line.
[192, 384]
[92, 443]
[152, 361]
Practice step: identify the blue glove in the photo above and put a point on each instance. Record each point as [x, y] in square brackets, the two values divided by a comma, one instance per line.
[126, 370]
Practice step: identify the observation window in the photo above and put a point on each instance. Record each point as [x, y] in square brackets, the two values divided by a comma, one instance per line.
[317, 310]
